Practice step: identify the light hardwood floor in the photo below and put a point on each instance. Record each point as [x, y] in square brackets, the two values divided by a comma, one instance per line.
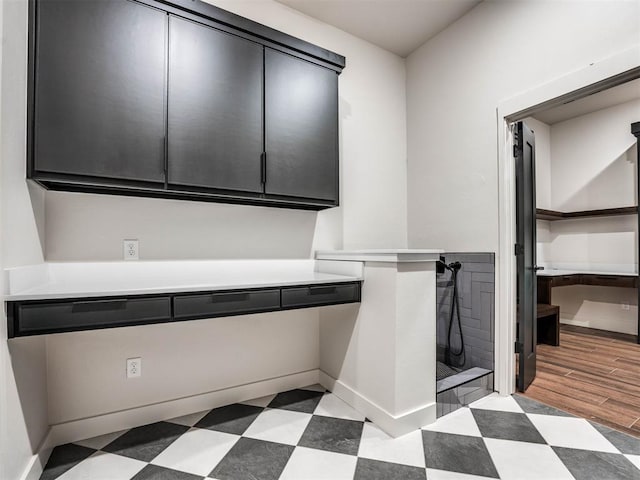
[592, 374]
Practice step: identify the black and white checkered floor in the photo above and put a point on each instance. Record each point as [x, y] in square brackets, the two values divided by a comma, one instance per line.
[309, 434]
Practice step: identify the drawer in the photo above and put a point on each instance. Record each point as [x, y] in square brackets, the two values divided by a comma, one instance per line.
[320, 295]
[563, 280]
[40, 318]
[610, 280]
[206, 305]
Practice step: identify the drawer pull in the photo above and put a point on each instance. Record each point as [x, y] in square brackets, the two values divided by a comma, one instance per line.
[322, 290]
[99, 305]
[229, 297]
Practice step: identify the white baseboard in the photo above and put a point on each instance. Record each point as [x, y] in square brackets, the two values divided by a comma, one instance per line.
[112, 422]
[394, 425]
[37, 463]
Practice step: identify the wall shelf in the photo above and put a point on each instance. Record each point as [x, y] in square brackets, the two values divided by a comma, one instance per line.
[552, 215]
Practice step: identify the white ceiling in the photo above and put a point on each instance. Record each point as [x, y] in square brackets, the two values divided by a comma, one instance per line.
[605, 99]
[399, 26]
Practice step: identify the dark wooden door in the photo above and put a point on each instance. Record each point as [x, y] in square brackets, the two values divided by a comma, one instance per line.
[100, 89]
[526, 254]
[215, 135]
[301, 120]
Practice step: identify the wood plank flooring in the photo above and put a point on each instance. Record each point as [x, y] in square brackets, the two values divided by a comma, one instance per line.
[592, 374]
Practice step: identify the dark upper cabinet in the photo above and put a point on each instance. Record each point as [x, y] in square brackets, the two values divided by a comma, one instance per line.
[179, 99]
[301, 128]
[100, 90]
[215, 108]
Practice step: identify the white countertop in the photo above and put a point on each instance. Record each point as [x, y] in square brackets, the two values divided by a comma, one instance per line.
[98, 279]
[395, 255]
[559, 272]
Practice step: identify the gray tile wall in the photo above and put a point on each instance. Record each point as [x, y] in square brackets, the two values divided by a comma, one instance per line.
[476, 287]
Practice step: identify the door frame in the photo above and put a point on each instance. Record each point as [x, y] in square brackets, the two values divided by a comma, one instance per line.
[601, 75]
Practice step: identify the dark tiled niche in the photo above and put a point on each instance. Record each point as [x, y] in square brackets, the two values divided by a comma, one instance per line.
[462, 382]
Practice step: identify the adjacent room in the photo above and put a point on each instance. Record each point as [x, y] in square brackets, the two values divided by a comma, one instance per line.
[319, 239]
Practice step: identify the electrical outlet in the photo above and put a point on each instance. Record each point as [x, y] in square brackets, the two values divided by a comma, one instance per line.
[625, 306]
[134, 367]
[130, 249]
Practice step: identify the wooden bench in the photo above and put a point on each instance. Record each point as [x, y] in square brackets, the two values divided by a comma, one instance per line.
[548, 318]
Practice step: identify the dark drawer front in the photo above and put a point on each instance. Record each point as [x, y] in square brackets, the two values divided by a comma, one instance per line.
[566, 280]
[83, 315]
[609, 280]
[320, 295]
[226, 303]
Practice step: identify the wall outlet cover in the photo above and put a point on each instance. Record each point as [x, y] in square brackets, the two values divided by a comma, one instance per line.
[130, 249]
[134, 367]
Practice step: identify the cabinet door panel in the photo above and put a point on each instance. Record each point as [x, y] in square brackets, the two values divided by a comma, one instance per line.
[100, 89]
[215, 108]
[301, 125]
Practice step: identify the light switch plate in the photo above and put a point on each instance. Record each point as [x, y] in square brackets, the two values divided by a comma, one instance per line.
[130, 249]
[134, 367]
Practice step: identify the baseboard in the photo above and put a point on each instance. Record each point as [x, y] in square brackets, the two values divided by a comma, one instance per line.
[112, 422]
[38, 461]
[394, 425]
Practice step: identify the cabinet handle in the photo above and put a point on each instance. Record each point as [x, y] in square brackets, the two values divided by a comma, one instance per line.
[322, 290]
[230, 297]
[99, 305]
[263, 167]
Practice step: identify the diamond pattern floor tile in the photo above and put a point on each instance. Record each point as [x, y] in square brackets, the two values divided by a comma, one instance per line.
[310, 434]
[254, 459]
[145, 443]
[234, 419]
[333, 435]
[588, 465]
[299, 400]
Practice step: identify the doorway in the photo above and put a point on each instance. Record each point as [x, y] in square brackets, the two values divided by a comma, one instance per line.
[523, 284]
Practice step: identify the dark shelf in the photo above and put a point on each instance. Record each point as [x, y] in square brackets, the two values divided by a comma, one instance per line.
[552, 215]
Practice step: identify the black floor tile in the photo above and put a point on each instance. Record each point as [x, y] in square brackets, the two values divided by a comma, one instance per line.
[64, 458]
[590, 465]
[233, 419]
[623, 442]
[154, 472]
[333, 435]
[375, 470]
[253, 459]
[457, 453]
[147, 442]
[506, 426]
[304, 401]
[531, 406]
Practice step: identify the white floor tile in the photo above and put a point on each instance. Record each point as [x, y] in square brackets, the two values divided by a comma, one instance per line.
[260, 402]
[433, 474]
[189, 420]
[277, 425]
[104, 466]
[197, 451]
[332, 406]
[460, 422]
[525, 461]
[497, 402]
[101, 441]
[571, 433]
[377, 445]
[635, 459]
[312, 464]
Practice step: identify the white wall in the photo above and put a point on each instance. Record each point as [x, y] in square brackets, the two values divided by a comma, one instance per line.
[23, 394]
[593, 165]
[454, 85]
[203, 356]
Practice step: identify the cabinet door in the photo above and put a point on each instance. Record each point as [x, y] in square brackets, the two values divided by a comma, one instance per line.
[301, 125]
[100, 89]
[215, 108]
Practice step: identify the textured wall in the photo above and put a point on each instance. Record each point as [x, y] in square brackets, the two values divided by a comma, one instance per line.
[476, 287]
